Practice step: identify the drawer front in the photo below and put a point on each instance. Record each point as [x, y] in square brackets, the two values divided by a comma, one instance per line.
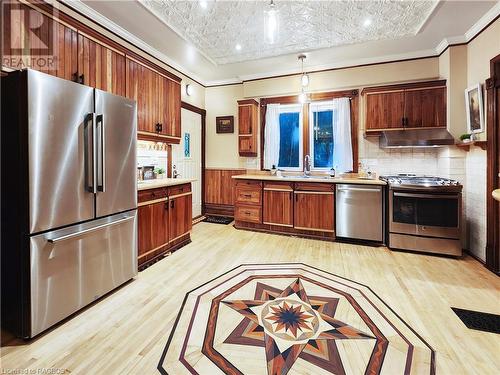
[314, 186]
[250, 214]
[248, 195]
[151, 194]
[179, 189]
[278, 186]
[248, 184]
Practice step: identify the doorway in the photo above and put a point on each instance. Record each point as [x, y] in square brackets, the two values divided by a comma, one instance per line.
[187, 156]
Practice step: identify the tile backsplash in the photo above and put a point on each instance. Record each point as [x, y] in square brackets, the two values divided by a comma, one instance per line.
[393, 161]
[152, 153]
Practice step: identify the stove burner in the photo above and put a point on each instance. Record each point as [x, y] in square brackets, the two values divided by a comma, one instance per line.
[414, 180]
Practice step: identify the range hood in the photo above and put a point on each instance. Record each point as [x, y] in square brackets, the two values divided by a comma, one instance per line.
[416, 138]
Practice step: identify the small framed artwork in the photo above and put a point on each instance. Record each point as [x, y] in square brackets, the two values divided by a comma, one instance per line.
[474, 109]
[224, 124]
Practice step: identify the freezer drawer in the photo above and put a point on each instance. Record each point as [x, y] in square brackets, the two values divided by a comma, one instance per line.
[359, 212]
[74, 266]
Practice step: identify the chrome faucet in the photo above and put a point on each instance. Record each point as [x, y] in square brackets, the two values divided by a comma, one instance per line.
[307, 165]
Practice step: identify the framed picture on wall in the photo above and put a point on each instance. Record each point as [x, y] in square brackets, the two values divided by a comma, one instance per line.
[224, 124]
[474, 109]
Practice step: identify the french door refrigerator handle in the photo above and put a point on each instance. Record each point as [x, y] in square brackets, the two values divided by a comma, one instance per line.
[90, 117]
[88, 230]
[101, 184]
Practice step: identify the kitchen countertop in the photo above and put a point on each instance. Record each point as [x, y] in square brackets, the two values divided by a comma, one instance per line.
[162, 182]
[351, 179]
[496, 194]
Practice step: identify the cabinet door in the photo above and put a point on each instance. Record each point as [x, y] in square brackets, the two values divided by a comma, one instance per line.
[153, 222]
[247, 145]
[100, 67]
[425, 107]
[245, 117]
[384, 110]
[180, 212]
[314, 211]
[278, 208]
[174, 108]
[53, 50]
[141, 86]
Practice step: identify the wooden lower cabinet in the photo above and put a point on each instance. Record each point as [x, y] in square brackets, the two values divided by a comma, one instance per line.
[164, 221]
[277, 206]
[180, 215]
[314, 211]
[304, 209]
[153, 228]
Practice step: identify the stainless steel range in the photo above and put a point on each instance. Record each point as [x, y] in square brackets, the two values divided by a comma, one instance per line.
[424, 214]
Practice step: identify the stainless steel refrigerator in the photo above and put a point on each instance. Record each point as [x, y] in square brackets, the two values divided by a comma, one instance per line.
[69, 199]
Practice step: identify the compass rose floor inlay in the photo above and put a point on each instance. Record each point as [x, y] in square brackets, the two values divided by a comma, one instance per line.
[291, 319]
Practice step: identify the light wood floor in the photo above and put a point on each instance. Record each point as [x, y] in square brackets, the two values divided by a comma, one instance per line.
[126, 332]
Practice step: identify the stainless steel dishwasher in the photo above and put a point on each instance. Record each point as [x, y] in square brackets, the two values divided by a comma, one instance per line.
[359, 212]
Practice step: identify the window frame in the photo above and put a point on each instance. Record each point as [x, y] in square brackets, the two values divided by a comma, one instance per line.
[352, 94]
[311, 133]
[301, 136]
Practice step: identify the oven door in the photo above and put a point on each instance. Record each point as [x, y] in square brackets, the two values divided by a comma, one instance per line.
[425, 214]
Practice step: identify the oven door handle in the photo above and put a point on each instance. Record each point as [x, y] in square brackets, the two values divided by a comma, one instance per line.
[432, 196]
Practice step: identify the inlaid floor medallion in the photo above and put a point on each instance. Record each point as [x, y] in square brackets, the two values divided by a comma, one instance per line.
[291, 319]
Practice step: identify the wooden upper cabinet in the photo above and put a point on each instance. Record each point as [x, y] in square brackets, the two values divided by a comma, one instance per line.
[100, 67]
[413, 105]
[169, 106]
[385, 110]
[158, 102]
[248, 123]
[425, 107]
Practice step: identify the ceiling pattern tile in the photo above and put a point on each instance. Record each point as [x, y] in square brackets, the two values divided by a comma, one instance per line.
[303, 25]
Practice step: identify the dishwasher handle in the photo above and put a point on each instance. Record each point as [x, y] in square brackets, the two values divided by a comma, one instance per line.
[365, 190]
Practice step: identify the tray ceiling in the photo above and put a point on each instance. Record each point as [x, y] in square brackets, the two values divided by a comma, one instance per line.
[303, 25]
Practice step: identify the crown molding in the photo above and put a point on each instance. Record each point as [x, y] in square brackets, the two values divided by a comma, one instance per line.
[483, 22]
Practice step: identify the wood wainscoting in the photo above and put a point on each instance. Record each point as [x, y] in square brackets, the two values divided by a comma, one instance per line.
[219, 191]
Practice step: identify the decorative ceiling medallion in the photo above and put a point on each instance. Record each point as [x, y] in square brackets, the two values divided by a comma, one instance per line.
[304, 25]
[290, 319]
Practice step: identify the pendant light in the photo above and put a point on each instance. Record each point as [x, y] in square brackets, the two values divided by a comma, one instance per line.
[271, 23]
[304, 78]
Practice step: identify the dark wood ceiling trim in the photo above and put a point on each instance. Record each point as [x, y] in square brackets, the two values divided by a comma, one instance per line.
[248, 101]
[405, 86]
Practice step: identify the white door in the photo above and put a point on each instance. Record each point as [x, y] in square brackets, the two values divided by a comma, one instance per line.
[186, 156]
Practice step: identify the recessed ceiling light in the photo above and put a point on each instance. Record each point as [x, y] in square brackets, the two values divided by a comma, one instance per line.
[238, 47]
[203, 4]
[367, 22]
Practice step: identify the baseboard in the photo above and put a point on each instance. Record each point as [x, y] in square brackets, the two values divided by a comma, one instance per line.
[475, 257]
[219, 209]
